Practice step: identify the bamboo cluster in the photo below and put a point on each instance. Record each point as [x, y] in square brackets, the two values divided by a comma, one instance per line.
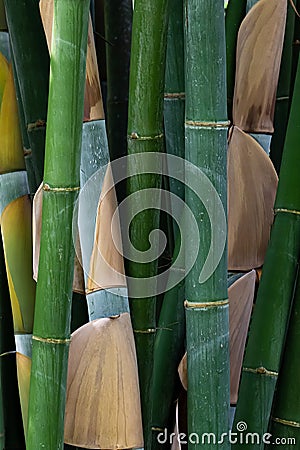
[150, 224]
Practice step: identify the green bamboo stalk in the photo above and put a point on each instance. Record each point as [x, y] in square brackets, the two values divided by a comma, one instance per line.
[296, 49]
[266, 337]
[174, 97]
[13, 426]
[118, 27]
[32, 68]
[118, 22]
[168, 351]
[61, 181]
[169, 340]
[282, 106]
[101, 46]
[145, 127]
[235, 12]
[26, 145]
[286, 415]
[207, 305]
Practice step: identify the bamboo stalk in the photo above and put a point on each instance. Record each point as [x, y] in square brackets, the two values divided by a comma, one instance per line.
[118, 23]
[207, 318]
[61, 181]
[266, 337]
[32, 68]
[235, 12]
[169, 340]
[145, 121]
[285, 422]
[25, 140]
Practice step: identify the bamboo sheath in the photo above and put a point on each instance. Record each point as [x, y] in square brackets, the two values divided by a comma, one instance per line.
[266, 338]
[249, 169]
[285, 421]
[15, 209]
[61, 185]
[207, 319]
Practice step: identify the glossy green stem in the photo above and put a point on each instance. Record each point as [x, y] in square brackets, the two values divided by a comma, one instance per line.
[275, 293]
[145, 130]
[169, 341]
[61, 181]
[207, 331]
[286, 414]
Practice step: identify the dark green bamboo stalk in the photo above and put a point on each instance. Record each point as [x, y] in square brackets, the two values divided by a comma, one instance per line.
[207, 300]
[61, 181]
[100, 46]
[118, 23]
[25, 140]
[174, 97]
[286, 415]
[145, 130]
[3, 25]
[282, 106]
[235, 12]
[169, 341]
[266, 336]
[296, 49]
[12, 418]
[32, 68]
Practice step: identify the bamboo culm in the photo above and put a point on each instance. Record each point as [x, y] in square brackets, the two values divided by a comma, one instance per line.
[61, 182]
[207, 321]
[145, 134]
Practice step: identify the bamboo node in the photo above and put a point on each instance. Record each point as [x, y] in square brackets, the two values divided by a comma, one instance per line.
[282, 98]
[221, 124]
[261, 371]
[27, 152]
[35, 125]
[289, 423]
[47, 188]
[285, 210]
[134, 136]
[216, 304]
[157, 429]
[148, 331]
[175, 95]
[11, 352]
[51, 340]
